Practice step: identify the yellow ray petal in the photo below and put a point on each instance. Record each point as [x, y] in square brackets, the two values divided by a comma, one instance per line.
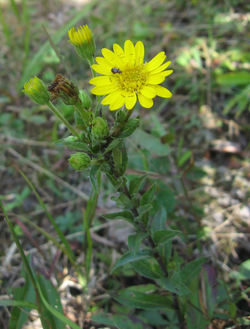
[117, 103]
[104, 90]
[148, 91]
[111, 97]
[161, 68]
[163, 92]
[102, 61]
[156, 61]
[101, 81]
[139, 53]
[144, 101]
[101, 70]
[119, 52]
[155, 79]
[167, 73]
[129, 50]
[130, 101]
[112, 58]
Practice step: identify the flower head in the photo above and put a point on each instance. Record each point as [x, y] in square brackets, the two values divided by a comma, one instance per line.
[36, 90]
[100, 129]
[65, 89]
[79, 161]
[83, 41]
[126, 77]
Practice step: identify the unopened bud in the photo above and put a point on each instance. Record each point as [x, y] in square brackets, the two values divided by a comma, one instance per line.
[80, 161]
[85, 99]
[36, 90]
[100, 129]
[121, 115]
[83, 41]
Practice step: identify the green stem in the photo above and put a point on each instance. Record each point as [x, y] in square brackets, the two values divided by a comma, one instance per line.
[83, 112]
[64, 121]
[121, 124]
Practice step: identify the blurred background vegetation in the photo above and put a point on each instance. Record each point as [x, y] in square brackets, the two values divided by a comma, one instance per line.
[195, 145]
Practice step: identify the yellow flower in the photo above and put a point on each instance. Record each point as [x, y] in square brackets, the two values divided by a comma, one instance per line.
[83, 41]
[126, 77]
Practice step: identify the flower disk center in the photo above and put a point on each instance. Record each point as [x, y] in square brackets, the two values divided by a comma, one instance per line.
[133, 77]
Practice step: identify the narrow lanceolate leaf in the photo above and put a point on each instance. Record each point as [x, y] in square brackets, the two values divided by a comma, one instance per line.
[191, 270]
[25, 294]
[159, 220]
[53, 298]
[148, 196]
[20, 303]
[112, 145]
[125, 215]
[144, 209]
[162, 237]
[135, 184]
[135, 240]
[173, 283]
[148, 268]
[129, 257]
[93, 177]
[142, 300]
[78, 145]
[125, 321]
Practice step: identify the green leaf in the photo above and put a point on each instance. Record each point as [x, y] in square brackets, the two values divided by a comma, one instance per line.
[159, 220]
[125, 215]
[20, 303]
[162, 237]
[129, 257]
[168, 138]
[125, 321]
[143, 210]
[148, 195]
[148, 268]
[25, 294]
[234, 79]
[46, 305]
[53, 298]
[184, 157]
[150, 143]
[135, 240]
[135, 184]
[173, 283]
[191, 270]
[149, 288]
[123, 201]
[142, 300]
[120, 158]
[78, 145]
[165, 251]
[92, 175]
[112, 145]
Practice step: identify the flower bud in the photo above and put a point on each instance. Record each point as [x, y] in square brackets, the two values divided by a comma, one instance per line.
[36, 90]
[83, 41]
[132, 124]
[121, 115]
[85, 99]
[80, 161]
[71, 139]
[100, 129]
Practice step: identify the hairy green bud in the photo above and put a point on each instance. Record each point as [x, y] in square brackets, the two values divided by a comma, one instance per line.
[71, 139]
[80, 161]
[132, 124]
[36, 90]
[85, 99]
[100, 129]
[121, 115]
